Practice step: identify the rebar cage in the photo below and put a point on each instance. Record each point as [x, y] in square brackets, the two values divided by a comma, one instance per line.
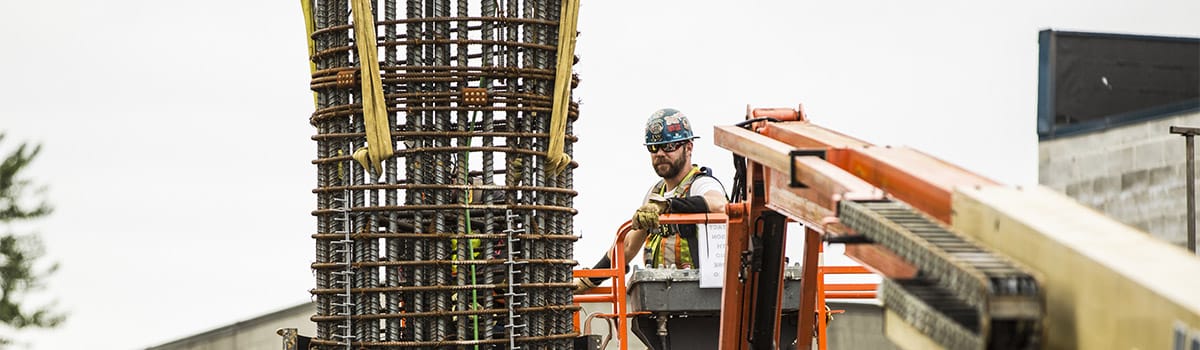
[462, 240]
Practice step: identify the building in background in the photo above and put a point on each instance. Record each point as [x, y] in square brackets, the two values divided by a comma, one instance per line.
[860, 327]
[1106, 103]
[253, 334]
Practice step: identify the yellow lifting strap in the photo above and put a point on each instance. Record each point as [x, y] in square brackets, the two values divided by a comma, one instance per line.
[310, 26]
[557, 158]
[379, 137]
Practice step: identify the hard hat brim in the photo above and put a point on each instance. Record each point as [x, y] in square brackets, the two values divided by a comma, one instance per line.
[673, 141]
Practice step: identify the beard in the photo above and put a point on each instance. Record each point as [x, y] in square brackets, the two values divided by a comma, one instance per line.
[669, 169]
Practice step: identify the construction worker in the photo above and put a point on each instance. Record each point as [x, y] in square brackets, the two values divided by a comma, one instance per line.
[684, 188]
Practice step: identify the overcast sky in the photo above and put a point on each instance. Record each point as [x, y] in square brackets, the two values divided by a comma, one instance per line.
[177, 146]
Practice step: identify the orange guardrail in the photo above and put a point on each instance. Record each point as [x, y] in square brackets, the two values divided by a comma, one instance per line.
[838, 291]
[616, 294]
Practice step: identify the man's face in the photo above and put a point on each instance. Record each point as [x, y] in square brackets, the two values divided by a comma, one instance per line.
[668, 164]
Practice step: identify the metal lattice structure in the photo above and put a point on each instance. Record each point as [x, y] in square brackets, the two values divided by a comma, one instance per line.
[463, 240]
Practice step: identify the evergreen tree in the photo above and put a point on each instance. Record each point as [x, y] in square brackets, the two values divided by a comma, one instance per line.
[20, 201]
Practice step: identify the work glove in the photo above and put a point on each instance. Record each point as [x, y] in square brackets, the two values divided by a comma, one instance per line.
[646, 217]
[583, 284]
[516, 168]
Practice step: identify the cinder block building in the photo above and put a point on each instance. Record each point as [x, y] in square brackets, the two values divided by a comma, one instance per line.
[1105, 107]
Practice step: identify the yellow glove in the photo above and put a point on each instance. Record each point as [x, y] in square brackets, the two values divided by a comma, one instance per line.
[583, 285]
[646, 217]
[516, 169]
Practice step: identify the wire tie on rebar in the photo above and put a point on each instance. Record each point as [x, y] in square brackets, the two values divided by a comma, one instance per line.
[347, 79]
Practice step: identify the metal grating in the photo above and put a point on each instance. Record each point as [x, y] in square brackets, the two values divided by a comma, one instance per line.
[964, 297]
[463, 240]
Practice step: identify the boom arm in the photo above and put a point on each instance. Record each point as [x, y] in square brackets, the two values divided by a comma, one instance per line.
[926, 215]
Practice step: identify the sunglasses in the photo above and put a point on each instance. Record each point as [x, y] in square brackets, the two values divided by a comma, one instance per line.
[670, 147]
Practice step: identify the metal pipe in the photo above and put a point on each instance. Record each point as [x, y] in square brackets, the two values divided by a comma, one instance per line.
[1191, 195]
[1188, 134]
[662, 331]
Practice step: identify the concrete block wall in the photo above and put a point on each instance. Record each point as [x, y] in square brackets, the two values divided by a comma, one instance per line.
[1133, 173]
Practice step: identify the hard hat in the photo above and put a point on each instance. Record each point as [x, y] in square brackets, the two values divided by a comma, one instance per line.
[668, 125]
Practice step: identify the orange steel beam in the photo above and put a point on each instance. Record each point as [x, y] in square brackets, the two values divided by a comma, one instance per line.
[850, 295]
[777, 317]
[805, 205]
[809, 135]
[847, 290]
[851, 287]
[919, 179]
[881, 260]
[820, 305]
[844, 270]
[815, 206]
[809, 288]
[916, 178]
[740, 296]
[782, 114]
[733, 294]
[851, 169]
[825, 183]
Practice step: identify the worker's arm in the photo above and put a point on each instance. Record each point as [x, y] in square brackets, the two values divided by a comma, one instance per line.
[709, 202]
[712, 201]
[716, 202]
[633, 244]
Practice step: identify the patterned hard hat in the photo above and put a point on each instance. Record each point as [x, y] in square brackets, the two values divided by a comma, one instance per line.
[668, 125]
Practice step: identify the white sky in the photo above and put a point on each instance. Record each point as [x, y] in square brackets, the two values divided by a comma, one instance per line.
[177, 146]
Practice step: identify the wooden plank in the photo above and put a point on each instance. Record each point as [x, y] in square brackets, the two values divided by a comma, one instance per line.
[826, 183]
[1107, 285]
[758, 148]
[805, 134]
[808, 205]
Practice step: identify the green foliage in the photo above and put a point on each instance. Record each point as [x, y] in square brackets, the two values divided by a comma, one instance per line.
[20, 253]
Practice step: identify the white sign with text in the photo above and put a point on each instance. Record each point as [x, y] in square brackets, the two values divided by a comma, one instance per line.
[712, 251]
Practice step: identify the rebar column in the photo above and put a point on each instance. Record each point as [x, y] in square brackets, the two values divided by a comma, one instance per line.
[462, 240]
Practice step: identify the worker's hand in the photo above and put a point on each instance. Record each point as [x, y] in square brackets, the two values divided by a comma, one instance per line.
[646, 217]
[516, 168]
[583, 284]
